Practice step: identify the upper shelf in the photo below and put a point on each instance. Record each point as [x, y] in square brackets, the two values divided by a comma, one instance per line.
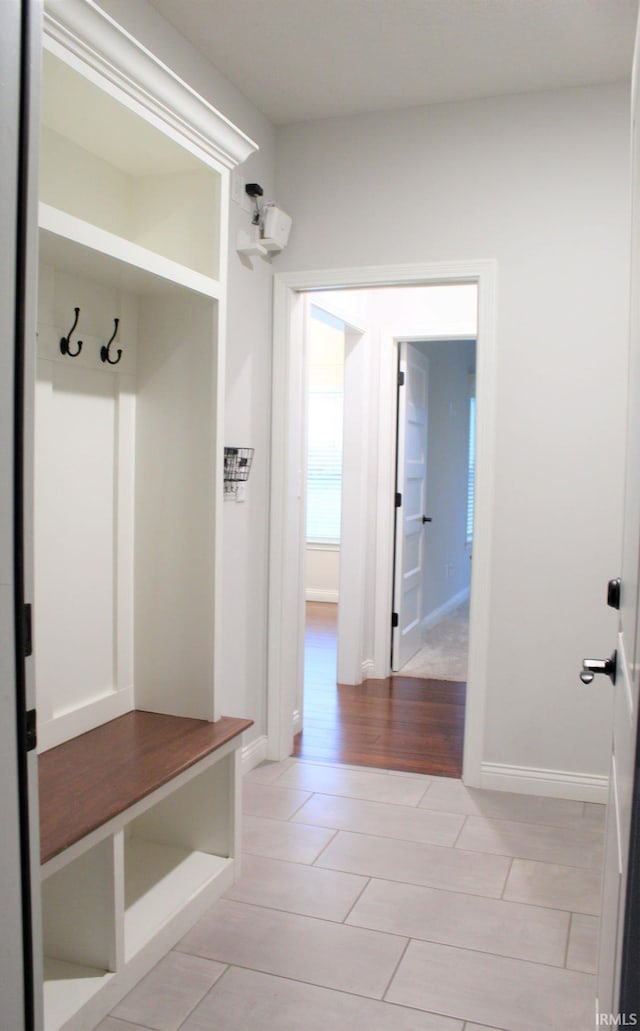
[103, 165]
[85, 249]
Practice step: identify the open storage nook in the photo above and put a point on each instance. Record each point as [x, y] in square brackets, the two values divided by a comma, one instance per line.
[140, 825]
[128, 488]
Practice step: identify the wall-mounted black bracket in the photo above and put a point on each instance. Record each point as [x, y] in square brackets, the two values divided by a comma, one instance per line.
[254, 190]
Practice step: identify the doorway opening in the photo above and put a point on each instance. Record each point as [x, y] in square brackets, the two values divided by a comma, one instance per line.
[346, 336]
[369, 455]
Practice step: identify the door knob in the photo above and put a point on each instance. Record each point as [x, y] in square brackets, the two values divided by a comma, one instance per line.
[427, 519]
[592, 666]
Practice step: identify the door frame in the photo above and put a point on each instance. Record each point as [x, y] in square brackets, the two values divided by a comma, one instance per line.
[286, 545]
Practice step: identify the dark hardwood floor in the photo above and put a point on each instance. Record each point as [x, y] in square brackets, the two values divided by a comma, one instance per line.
[401, 723]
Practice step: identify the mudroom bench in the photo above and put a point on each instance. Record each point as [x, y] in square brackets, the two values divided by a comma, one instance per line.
[139, 834]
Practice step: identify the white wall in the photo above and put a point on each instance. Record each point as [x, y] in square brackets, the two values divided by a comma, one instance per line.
[322, 572]
[540, 183]
[447, 567]
[248, 377]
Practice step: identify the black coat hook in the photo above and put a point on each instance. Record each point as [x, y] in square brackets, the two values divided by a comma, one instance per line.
[65, 341]
[104, 350]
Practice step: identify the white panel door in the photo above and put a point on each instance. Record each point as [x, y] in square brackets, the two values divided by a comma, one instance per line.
[410, 514]
[616, 896]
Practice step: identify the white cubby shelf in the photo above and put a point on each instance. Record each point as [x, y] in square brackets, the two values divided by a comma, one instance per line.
[139, 834]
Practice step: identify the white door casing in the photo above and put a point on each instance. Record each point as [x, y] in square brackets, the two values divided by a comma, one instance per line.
[286, 553]
[411, 486]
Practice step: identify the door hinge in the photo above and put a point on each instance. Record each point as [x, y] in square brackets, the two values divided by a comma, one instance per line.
[401, 379]
[394, 620]
[27, 639]
[30, 733]
[398, 500]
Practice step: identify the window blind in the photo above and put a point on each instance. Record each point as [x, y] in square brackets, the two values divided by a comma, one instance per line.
[324, 431]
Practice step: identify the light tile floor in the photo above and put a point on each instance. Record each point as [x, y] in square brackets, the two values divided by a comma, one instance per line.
[378, 901]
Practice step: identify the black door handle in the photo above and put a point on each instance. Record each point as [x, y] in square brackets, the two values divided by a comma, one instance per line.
[427, 519]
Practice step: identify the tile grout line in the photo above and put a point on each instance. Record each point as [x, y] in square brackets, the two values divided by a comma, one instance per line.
[386, 879]
[566, 951]
[436, 844]
[413, 806]
[457, 837]
[506, 880]
[323, 850]
[436, 811]
[355, 903]
[130, 1023]
[313, 984]
[422, 796]
[301, 806]
[395, 969]
[210, 989]
[388, 934]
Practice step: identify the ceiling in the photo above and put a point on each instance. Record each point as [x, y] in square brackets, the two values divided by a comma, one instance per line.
[302, 59]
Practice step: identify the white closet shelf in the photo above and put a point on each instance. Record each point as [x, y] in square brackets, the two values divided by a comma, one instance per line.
[67, 987]
[85, 249]
[158, 879]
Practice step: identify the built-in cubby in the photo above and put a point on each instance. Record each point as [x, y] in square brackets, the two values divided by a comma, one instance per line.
[139, 834]
[138, 768]
[112, 170]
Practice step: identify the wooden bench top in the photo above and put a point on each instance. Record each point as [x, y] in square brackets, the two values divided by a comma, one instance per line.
[88, 780]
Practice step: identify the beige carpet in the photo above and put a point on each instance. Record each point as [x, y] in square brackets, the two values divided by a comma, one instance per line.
[445, 648]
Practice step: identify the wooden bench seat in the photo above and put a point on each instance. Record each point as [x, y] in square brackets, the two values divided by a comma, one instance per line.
[90, 779]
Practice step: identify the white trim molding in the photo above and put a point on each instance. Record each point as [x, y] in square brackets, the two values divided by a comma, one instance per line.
[83, 34]
[253, 754]
[368, 669]
[321, 594]
[286, 590]
[452, 603]
[297, 721]
[528, 780]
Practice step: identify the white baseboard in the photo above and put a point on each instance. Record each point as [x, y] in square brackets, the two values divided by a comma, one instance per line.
[443, 610]
[253, 754]
[368, 669]
[297, 721]
[320, 594]
[528, 780]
